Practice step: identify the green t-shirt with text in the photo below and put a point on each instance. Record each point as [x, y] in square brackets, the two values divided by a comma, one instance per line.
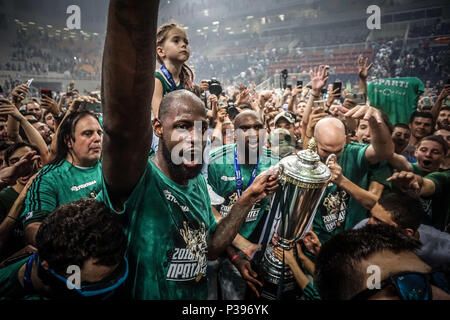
[58, 184]
[338, 210]
[167, 226]
[396, 96]
[221, 177]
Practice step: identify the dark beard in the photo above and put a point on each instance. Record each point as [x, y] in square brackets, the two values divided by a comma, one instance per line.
[179, 172]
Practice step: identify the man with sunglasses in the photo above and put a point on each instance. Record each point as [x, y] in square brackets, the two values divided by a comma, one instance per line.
[377, 262]
[83, 235]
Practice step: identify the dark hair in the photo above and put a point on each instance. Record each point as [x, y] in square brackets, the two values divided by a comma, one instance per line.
[420, 114]
[437, 139]
[406, 211]
[11, 149]
[66, 132]
[446, 108]
[78, 231]
[402, 125]
[338, 274]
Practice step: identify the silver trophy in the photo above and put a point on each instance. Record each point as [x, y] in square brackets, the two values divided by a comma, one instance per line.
[303, 179]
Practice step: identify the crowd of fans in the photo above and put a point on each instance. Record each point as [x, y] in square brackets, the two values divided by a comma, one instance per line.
[155, 223]
[36, 51]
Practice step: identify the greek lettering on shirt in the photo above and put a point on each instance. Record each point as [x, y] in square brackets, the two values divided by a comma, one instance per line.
[183, 266]
[336, 210]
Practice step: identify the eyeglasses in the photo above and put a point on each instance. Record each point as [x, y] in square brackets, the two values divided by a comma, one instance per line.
[411, 285]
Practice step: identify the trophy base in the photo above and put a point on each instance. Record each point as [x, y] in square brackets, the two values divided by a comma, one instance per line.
[272, 270]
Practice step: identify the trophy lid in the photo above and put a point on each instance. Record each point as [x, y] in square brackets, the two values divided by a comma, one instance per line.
[304, 168]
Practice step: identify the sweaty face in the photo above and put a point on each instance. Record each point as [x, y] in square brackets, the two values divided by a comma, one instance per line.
[325, 149]
[363, 131]
[248, 134]
[86, 148]
[400, 137]
[443, 120]
[182, 139]
[176, 46]
[429, 156]
[421, 127]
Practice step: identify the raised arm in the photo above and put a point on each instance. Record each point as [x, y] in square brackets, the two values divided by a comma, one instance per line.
[363, 72]
[128, 77]
[381, 147]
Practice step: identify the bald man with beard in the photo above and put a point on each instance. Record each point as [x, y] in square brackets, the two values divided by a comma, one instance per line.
[340, 209]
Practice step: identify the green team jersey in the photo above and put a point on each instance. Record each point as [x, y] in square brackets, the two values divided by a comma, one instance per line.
[168, 227]
[221, 177]
[58, 184]
[396, 96]
[165, 84]
[437, 207]
[416, 169]
[10, 287]
[338, 210]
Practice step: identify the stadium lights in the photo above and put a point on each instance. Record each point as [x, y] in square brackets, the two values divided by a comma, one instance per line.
[205, 28]
[185, 28]
[49, 26]
[228, 28]
[263, 20]
[206, 12]
[31, 23]
[215, 22]
[281, 17]
[199, 30]
[249, 17]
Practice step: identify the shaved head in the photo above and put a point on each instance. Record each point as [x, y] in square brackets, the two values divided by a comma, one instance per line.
[330, 137]
[180, 99]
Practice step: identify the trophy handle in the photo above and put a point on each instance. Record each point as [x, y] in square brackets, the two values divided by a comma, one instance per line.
[331, 156]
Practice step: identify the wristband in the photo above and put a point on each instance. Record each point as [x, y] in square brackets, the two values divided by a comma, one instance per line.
[234, 257]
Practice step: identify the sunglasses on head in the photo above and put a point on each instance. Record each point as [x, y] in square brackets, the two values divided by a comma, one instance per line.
[411, 285]
[100, 290]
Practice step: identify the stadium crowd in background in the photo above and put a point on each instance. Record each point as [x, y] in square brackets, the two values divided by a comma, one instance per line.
[192, 229]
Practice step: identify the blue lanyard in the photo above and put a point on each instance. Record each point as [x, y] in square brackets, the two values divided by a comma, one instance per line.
[169, 77]
[238, 174]
[27, 283]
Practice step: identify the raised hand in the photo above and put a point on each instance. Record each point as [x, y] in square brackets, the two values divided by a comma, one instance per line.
[363, 68]
[362, 112]
[7, 108]
[406, 181]
[50, 104]
[319, 78]
[21, 168]
[19, 93]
